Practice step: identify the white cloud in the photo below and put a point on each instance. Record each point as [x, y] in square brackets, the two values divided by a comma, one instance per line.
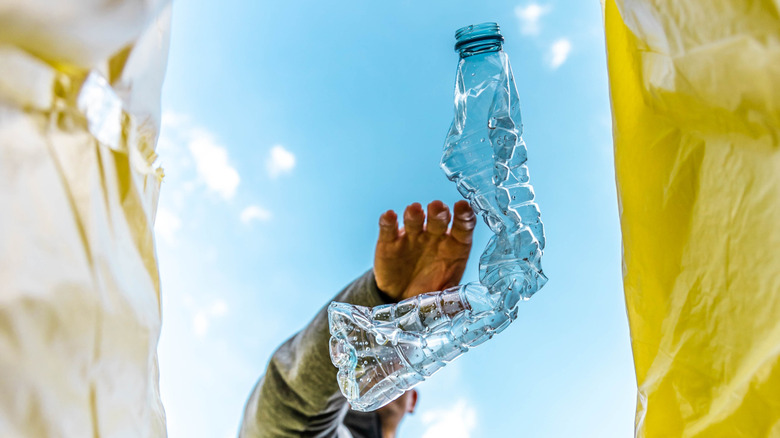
[200, 323]
[218, 308]
[255, 212]
[174, 157]
[182, 144]
[455, 422]
[166, 224]
[173, 120]
[559, 51]
[202, 318]
[280, 161]
[530, 16]
[211, 162]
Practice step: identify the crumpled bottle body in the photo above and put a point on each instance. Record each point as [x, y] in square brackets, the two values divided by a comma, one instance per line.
[384, 351]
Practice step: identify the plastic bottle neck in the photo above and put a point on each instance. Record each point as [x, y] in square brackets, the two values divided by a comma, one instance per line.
[478, 38]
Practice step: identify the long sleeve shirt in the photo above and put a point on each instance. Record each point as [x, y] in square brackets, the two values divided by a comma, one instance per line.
[299, 395]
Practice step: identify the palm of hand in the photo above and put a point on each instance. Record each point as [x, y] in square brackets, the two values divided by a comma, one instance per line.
[423, 257]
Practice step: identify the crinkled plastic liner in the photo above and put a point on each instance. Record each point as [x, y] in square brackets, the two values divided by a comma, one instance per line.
[80, 299]
[696, 107]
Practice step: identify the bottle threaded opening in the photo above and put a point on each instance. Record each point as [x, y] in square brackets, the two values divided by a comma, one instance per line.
[478, 38]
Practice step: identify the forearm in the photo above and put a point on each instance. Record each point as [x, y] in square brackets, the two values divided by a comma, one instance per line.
[299, 394]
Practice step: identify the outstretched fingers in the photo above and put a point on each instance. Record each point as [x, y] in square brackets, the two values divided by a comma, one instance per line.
[414, 218]
[464, 223]
[438, 218]
[388, 226]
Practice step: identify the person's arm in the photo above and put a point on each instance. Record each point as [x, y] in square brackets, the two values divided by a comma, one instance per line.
[298, 394]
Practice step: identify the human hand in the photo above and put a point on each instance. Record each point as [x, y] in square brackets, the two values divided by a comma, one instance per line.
[423, 257]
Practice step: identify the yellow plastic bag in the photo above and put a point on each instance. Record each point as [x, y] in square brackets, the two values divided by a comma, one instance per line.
[695, 89]
[79, 286]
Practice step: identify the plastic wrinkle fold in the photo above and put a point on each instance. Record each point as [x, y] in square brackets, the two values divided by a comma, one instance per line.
[80, 303]
[696, 122]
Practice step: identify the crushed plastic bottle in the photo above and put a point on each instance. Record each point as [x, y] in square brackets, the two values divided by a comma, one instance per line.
[382, 352]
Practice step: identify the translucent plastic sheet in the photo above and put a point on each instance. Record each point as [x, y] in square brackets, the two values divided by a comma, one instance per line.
[79, 287]
[696, 107]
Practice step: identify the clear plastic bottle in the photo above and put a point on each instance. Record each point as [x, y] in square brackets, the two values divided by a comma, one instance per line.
[485, 156]
[384, 351]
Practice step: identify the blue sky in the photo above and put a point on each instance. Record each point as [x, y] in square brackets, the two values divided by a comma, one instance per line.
[289, 127]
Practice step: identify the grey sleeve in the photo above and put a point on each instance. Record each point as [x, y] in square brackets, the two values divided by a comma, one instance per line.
[298, 395]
